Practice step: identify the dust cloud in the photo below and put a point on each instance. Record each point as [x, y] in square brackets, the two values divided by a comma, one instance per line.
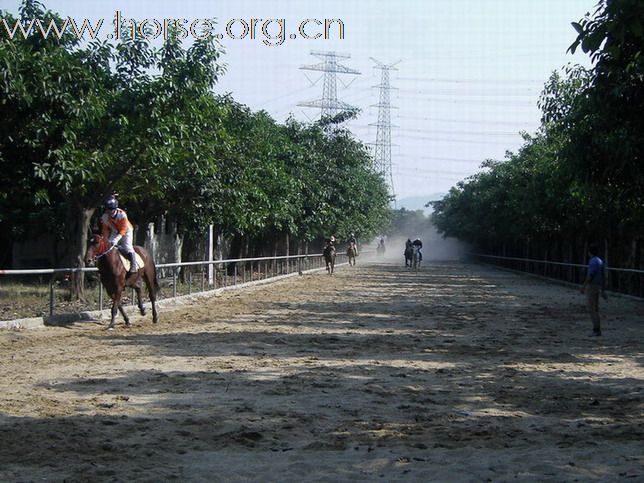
[435, 246]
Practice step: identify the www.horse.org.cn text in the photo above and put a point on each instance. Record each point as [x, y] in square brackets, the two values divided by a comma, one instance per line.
[272, 31]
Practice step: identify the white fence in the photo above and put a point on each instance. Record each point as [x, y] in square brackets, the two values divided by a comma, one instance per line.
[184, 278]
[628, 281]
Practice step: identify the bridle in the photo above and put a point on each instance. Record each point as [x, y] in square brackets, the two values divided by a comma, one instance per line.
[101, 255]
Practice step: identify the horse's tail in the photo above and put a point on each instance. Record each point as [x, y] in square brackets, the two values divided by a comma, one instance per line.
[155, 280]
[151, 271]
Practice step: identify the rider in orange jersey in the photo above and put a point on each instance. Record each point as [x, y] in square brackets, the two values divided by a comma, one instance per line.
[116, 227]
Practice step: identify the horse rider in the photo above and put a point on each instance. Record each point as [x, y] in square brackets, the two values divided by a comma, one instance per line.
[116, 227]
[329, 243]
[354, 242]
[418, 244]
[408, 244]
[381, 245]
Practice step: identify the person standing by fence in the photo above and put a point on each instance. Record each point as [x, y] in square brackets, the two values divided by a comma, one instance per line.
[594, 284]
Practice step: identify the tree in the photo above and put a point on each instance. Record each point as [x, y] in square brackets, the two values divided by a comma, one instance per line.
[606, 124]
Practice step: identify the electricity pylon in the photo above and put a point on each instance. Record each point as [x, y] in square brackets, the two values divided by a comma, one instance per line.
[382, 146]
[329, 104]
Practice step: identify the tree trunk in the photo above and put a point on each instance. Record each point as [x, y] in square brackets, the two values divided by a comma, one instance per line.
[79, 229]
[288, 244]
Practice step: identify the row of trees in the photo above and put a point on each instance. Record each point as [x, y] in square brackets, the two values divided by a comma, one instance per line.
[580, 178]
[82, 120]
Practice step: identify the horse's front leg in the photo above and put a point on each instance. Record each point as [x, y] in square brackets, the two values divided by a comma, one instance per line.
[114, 312]
[118, 305]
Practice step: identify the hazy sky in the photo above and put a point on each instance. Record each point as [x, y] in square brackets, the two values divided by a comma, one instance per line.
[468, 80]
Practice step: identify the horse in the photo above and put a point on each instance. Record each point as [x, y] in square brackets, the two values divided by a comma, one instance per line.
[415, 258]
[115, 278]
[380, 249]
[352, 253]
[329, 258]
[409, 256]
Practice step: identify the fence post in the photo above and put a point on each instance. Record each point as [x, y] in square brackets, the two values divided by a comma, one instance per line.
[51, 297]
[174, 281]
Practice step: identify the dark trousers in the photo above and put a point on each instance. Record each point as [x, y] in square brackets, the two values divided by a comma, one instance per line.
[592, 297]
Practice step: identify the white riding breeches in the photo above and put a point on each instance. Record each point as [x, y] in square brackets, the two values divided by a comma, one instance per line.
[125, 243]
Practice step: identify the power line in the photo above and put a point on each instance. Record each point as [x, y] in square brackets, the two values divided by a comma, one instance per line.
[433, 176]
[283, 96]
[471, 101]
[460, 92]
[436, 158]
[438, 131]
[472, 81]
[455, 141]
[431, 170]
[464, 121]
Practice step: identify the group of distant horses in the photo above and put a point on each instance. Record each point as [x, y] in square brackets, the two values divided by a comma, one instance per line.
[329, 254]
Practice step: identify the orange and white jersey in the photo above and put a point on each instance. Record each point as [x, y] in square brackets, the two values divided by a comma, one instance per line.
[116, 223]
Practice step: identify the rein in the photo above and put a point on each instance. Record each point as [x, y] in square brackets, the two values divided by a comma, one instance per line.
[100, 255]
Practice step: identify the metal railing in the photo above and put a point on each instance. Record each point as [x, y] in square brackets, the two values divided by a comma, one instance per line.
[180, 278]
[628, 281]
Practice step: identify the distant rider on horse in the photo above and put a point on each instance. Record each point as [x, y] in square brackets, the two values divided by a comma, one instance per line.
[381, 246]
[116, 228]
[418, 244]
[353, 242]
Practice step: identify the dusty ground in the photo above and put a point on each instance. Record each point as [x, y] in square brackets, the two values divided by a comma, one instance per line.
[457, 373]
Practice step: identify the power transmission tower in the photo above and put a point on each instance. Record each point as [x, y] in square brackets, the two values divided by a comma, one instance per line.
[382, 146]
[329, 105]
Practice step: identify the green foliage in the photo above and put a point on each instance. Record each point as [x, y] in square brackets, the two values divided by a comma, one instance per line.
[80, 121]
[581, 175]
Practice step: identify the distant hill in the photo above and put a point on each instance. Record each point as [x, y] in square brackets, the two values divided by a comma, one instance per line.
[419, 202]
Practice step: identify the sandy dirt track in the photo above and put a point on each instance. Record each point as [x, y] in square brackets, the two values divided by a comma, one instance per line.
[456, 373]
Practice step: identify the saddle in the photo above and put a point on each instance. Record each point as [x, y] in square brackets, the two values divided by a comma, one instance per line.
[126, 262]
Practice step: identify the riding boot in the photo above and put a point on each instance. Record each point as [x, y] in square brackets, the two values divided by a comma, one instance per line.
[133, 265]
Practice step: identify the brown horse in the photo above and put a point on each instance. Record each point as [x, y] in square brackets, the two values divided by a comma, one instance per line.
[329, 258]
[409, 256]
[115, 278]
[352, 252]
